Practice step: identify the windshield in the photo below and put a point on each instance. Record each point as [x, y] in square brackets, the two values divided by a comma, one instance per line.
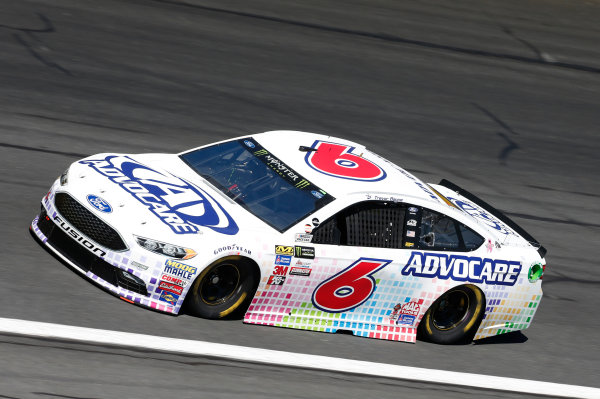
[257, 180]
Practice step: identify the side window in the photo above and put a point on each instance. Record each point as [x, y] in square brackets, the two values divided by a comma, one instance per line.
[327, 232]
[440, 232]
[368, 224]
[471, 239]
[375, 225]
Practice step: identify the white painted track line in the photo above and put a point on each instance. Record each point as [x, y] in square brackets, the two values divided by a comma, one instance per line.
[281, 358]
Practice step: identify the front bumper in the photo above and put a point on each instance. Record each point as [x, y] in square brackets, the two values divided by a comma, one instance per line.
[100, 265]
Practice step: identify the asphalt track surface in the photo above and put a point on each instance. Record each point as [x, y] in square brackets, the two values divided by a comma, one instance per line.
[502, 98]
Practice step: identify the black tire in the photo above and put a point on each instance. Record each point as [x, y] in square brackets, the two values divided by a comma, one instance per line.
[454, 317]
[223, 289]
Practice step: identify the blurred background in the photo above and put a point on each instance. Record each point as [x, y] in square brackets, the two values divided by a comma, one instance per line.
[500, 97]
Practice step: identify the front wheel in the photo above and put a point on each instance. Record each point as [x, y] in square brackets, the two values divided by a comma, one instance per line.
[454, 317]
[223, 288]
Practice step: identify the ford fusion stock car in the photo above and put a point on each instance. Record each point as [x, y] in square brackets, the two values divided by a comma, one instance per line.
[297, 230]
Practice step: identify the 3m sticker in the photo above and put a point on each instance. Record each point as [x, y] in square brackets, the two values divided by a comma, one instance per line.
[337, 160]
[280, 270]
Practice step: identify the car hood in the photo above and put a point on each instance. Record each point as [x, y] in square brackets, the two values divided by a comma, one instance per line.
[156, 196]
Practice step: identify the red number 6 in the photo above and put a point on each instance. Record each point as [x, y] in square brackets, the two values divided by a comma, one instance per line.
[349, 288]
[337, 160]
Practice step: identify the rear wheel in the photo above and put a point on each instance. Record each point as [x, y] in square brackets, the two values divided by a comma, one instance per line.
[454, 317]
[222, 289]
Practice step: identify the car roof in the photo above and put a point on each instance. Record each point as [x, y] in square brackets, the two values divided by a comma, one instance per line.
[399, 183]
[285, 145]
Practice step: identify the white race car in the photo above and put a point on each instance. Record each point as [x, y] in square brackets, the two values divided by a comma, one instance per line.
[298, 230]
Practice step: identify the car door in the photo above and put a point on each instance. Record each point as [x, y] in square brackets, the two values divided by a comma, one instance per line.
[359, 251]
[363, 253]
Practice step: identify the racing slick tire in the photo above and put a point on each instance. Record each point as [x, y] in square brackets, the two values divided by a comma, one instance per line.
[454, 317]
[223, 288]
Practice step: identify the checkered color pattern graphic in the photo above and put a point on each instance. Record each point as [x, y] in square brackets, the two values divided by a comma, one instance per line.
[290, 305]
[509, 308]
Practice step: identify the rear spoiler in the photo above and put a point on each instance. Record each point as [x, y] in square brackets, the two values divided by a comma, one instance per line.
[471, 197]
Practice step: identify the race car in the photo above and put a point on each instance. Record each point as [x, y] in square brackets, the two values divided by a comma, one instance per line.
[298, 230]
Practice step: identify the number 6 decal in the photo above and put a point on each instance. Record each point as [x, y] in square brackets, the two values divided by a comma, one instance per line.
[337, 160]
[349, 288]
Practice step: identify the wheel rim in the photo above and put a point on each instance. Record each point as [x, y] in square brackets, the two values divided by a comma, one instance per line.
[451, 310]
[219, 284]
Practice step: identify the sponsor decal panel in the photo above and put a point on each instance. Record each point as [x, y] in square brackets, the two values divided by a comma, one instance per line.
[284, 260]
[174, 280]
[406, 320]
[99, 203]
[411, 308]
[304, 252]
[300, 271]
[406, 313]
[169, 297]
[284, 250]
[178, 203]
[303, 263]
[276, 280]
[180, 270]
[303, 237]
[233, 248]
[174, 288]
[462, 268]
[139, 266]
[411, 222]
